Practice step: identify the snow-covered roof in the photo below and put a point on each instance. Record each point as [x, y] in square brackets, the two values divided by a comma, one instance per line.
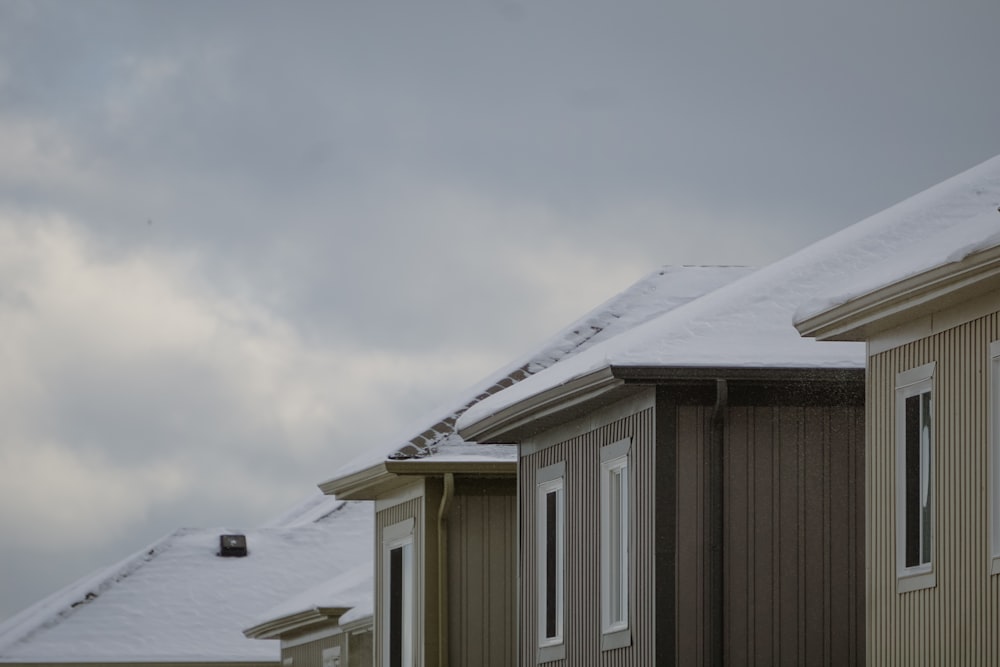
[660, 291]
[352, 590]
[178, 601]
[748, 323]
[950, 245]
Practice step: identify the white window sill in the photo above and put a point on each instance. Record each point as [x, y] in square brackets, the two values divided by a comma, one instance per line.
[916, 581]
[551, 652]
[616, 639]
[995, 565]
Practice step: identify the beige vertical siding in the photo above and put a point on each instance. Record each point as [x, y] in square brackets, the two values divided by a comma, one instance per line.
[360, 649]
[582, 608]
[793, 520]
[311, 654]
[958, 621]
[387, 517]
[482, 544]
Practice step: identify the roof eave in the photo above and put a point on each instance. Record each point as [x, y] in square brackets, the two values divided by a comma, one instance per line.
[859, 318]
[534, 413]
[364, 484]
[428, 466]
[301, 620]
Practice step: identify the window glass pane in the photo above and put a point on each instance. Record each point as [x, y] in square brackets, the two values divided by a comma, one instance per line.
[614, 550]
[551, 562]
[925, 478]
[917, 492]
[396, 607]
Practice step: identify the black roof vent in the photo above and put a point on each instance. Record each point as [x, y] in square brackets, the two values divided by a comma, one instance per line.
[233, 546]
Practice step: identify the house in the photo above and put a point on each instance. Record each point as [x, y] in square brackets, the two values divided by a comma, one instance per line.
[930, 317]
[186, 599]
[446, 508]
[692, 490]
[329, 624]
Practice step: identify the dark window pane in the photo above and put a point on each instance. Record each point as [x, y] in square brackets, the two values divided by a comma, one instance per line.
[912, 482]
[396, 607]
[550, 564]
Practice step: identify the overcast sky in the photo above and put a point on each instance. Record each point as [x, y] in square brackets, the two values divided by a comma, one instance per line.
[242, 241]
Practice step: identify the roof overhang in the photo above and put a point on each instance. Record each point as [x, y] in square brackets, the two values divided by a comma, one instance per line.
[389, 475]
[548, 408]
[564, 402]
[907, 299]
[430, 466]
[366, 484]
[296, 622]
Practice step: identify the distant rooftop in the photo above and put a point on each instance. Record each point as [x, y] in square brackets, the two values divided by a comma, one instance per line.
[178, 601]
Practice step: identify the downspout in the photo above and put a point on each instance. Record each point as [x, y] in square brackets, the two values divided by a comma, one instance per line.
[715, 496]
[442, 549]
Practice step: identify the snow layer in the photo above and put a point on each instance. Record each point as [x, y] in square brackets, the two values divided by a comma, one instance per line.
[950, 245]
[749, 323]
[353, 589]
[658, 292]
[177, 601]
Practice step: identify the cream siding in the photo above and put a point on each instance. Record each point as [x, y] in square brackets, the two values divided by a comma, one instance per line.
[582, 574]
[957, 621]
[311, 654]
[410, 509]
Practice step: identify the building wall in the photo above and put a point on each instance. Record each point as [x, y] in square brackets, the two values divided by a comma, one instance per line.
[578, 445]
[311, 654]
[424, 568]
[793, 518]
[957, 621]
[482, 566]
[360, 648]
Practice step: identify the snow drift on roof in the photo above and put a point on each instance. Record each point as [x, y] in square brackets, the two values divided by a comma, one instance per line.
[950, 245]
[660, 291]
[177, 601]
[748, 323]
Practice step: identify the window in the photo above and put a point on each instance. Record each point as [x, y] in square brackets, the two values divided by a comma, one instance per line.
[550, 513]
[615, 513]
[994, 417]
[915, 479]
[397, 594]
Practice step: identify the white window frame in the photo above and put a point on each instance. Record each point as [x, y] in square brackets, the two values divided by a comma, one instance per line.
[396, 536]
[993, 412]
[616, 513]
[910, 383]
[551, 479]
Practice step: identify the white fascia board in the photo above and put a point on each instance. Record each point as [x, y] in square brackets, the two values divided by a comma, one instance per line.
[275, 628]
[861, 317]
[548, 402]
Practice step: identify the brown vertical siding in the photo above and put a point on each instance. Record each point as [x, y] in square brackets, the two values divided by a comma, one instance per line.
[482, 579]
[793, 521]
[582, 607]
[958, 621]
[387, 517]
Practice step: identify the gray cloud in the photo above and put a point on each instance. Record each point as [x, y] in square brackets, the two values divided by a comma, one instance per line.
[243, 240]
